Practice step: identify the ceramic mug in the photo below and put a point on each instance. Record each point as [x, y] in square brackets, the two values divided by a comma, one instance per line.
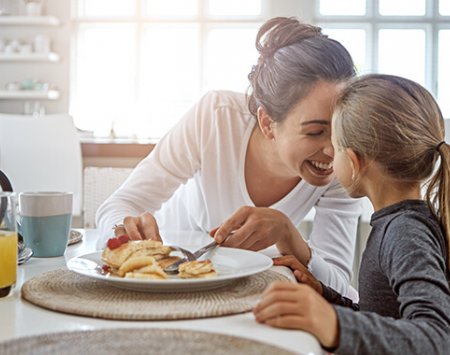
[44, 221]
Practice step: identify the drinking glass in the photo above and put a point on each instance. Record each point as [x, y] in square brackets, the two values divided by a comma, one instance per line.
[8, 242]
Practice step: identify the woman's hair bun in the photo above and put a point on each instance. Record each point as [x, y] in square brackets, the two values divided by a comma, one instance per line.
[281, 32]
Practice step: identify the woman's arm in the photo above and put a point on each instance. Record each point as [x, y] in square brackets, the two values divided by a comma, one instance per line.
[173, 161]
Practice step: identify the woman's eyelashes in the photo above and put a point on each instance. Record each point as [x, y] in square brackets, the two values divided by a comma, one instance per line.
[315, 133]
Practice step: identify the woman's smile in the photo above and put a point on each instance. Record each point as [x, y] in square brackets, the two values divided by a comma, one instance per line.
[320, 169]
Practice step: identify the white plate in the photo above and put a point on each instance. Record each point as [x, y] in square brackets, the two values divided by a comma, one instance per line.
[230, 264]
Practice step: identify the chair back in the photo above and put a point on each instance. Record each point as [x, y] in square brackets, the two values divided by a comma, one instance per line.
[41, 154]
[99, 184]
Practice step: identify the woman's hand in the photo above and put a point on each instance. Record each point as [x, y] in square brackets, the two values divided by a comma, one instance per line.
[301, 273]
[298, 306]
[254, 228]
[137, 228]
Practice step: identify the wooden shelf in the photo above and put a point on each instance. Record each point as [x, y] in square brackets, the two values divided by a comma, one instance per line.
[29, 95]
[31, 57]
[29, 21]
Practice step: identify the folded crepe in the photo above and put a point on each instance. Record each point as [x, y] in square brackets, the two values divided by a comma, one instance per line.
[196, 269]
[134, 248]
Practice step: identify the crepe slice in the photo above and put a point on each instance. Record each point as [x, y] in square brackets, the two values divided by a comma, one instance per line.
[196, 270]
[117, 256]
[167, 261]
[153, 271]
[142, 265]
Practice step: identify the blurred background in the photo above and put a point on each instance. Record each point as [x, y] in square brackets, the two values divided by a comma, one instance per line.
[131, 68]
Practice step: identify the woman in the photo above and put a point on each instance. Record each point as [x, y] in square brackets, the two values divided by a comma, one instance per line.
[265, 162]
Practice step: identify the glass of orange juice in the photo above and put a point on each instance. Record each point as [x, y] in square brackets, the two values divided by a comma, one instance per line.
[8, 243]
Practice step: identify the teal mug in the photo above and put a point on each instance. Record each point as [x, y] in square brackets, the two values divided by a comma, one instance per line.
[44, 221]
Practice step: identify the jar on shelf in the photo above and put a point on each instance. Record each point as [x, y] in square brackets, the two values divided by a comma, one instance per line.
[33, 7]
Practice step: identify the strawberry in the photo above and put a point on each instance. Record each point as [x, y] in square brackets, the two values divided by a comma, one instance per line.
[124, 239]
[113, 243]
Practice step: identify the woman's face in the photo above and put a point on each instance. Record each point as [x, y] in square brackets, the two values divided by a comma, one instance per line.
[303, 139]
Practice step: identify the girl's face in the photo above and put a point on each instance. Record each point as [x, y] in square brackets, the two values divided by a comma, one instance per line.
[342, 166]
[303, 139]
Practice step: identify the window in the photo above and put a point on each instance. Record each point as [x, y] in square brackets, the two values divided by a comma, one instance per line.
[138, 65]
[410, 38]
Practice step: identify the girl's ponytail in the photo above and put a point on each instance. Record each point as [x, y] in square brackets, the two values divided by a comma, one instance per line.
[438, 196]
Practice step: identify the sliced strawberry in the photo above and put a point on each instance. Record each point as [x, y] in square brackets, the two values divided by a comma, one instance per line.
[106, 268]
[124, 239]
[113, 243]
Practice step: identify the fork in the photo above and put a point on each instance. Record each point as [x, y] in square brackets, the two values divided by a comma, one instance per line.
[173, 269]
[187, 254]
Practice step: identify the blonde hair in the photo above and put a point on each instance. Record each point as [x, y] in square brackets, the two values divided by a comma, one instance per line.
[397, 123]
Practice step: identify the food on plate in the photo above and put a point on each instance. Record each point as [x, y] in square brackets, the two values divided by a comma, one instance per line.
[168, 260]
[196, 269]
[120, 249]
[146, 259]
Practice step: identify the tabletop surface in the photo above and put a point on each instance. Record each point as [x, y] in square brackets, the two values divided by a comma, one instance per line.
[20, 318]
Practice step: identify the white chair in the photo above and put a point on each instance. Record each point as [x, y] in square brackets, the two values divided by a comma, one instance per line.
[99, 184]
[42, 154]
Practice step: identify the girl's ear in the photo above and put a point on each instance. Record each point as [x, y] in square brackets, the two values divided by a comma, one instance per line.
[355, 162]
[265, 123]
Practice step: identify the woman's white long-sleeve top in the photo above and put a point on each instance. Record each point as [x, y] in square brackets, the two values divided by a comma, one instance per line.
[194, 180]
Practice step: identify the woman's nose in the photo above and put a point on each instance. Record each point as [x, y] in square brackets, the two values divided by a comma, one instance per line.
[329, 150]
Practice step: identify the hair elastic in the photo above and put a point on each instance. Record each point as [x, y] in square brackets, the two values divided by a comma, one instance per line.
[439, 145]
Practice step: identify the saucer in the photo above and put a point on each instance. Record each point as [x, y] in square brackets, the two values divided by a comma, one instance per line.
[74, 237]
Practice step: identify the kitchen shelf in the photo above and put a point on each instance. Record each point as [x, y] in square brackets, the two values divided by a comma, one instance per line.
[29, 20]
[31, 57]
[29, 95]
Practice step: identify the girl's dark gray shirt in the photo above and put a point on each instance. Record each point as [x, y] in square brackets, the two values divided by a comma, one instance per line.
[403, 286]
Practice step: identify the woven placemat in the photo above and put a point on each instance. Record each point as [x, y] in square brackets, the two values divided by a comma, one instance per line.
[68, 292]
[137, 341]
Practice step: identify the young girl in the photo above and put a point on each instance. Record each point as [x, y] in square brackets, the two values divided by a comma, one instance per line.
[388, 134]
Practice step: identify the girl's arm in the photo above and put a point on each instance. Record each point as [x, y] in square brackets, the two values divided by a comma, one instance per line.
[331, 245]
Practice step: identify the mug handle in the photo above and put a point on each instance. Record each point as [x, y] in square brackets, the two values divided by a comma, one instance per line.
[4, 182]
[6, 186]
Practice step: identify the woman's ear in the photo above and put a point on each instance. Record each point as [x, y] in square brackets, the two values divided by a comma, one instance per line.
[265, 123]
[355, 162]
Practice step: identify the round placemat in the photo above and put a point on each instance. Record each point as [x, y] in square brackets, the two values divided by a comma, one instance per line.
[137, 341]
[68, 292]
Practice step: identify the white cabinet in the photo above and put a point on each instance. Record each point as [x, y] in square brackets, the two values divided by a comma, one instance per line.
[31, 24]
[29, 21]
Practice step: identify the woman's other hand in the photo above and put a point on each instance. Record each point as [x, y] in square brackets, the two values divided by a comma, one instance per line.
[256, 228]
[298, 306]
[138, 228]
[302, 274]
[253, 228]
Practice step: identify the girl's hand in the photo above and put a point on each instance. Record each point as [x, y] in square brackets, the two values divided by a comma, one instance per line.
[254, 228]
[298, 306]
[301, 273]
[138, 228]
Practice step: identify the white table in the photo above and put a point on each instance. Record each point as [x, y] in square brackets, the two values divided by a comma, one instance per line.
[19, 318]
